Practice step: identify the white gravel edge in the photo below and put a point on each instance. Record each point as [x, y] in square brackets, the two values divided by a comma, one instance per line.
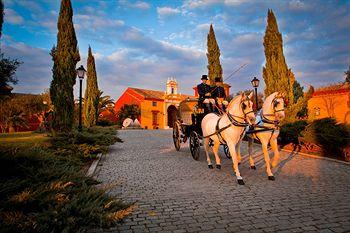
[93, 166]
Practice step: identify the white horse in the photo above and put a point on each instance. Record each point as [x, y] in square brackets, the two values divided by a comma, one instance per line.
[228, 128]
[272, 113]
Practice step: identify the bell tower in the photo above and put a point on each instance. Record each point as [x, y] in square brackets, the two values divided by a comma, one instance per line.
[171, 86]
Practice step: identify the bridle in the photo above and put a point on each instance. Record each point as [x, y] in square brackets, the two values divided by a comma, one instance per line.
[264, 118]
[233, 122]
[236, 122]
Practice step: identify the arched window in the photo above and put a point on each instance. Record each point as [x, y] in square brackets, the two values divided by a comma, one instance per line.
[172, 90]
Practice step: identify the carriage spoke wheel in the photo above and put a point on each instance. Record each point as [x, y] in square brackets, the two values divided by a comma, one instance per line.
[176, 136]
[227, 151]
[194, 145]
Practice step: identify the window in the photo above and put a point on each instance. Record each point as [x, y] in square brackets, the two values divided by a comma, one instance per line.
[172, 90]
[154, 118]
[154, 104]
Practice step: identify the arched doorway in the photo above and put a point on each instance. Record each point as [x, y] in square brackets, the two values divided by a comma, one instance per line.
[172, 112]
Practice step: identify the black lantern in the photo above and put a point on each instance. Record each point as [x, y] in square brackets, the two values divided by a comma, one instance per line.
[255, 84]
[81, 73]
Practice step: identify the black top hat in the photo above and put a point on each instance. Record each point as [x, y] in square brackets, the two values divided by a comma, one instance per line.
[217, 79]
[204, 76]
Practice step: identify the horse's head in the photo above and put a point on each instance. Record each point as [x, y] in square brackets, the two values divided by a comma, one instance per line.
[278, 106]
[247, 108]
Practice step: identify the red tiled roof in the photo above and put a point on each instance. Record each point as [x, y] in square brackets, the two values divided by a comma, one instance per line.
[149, 93]
[152, 94]
[332, 89]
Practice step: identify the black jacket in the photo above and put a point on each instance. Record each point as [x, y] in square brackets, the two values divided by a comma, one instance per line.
[218, 92]
[203, 89]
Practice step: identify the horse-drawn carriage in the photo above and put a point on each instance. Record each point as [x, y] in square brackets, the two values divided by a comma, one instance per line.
[187, 127]
[228, 129]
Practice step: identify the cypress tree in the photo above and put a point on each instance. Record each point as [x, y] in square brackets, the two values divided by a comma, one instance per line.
[1, 16]
[213, 55]
[91, 93]
[347, 76]
[65, 57]
[276, 74]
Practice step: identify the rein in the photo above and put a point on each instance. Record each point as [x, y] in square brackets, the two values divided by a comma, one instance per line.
[233, 122]
[264, 118]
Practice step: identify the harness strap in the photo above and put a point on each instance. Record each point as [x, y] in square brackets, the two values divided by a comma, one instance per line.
[221, 139]
[217, 131]
[268, 121]
[235, 122]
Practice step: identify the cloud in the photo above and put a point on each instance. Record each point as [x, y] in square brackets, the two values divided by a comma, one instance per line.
[94, 22]
[34, 74]
[143, 53]
[12, 17]
[167, 11]
[138, 4]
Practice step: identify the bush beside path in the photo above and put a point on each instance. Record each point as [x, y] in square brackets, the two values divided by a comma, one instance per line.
[43, 187]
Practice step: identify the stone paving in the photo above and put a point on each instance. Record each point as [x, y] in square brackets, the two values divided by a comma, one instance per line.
[175, 193]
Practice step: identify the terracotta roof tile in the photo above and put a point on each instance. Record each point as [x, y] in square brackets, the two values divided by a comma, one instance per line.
[152, 94]
[149, 93]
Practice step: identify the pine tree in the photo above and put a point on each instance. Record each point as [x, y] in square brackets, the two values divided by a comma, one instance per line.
[276, 74]
[91, 93]
[65, 57]
[213, 54]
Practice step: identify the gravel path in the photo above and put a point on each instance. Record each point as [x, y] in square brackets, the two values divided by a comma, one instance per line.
[175, 193]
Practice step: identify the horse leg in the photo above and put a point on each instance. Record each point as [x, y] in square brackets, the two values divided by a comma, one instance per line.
[217, 157]
[250, 152]
[238, 151]
[267, 159]
[233, 153]
[274, 146]
[206, 148]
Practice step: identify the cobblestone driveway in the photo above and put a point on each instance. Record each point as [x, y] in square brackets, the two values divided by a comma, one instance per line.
[177, 194]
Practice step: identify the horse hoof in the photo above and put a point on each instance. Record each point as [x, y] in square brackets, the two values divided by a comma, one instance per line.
[271, 178]
[218, 166]
[240, 182]
[253, 167]
[210, 166]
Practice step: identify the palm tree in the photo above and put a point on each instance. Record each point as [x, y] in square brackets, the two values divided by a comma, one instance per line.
[105, 103]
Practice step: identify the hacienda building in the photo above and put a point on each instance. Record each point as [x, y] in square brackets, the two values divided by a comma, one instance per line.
[158, 108]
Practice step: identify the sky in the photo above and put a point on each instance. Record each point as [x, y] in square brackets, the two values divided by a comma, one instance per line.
[143, 43]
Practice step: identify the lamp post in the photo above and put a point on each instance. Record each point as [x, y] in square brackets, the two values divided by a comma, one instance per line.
[255, 84]
[81, 73]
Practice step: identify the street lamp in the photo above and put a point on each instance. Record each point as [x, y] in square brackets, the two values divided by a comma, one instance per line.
[255, 84]
[81, 73]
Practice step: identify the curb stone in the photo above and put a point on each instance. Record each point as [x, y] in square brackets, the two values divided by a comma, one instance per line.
[93, 166]
[317, 157]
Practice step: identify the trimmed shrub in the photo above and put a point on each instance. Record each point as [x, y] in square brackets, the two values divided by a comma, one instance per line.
[328, 134]
[86, 144]
[41, 192]
[290, 132]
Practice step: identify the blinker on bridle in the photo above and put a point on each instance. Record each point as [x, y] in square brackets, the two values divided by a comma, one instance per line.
[275, 102]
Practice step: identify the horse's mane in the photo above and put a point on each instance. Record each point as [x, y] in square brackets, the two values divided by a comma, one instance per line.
[234, 100]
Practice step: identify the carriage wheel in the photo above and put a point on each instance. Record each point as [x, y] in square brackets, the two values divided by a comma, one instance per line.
[194, 145]
[227, 151]
[176, 136]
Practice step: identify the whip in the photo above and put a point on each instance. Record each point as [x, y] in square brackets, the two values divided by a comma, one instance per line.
[231, 75]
